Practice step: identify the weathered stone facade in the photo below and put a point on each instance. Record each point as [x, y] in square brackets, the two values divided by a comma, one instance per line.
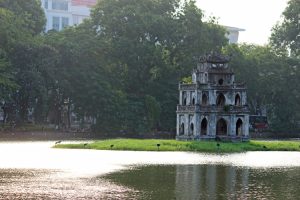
[213, 105]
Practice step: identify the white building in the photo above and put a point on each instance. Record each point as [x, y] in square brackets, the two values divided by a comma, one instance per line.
[63, 13]
[233, 34]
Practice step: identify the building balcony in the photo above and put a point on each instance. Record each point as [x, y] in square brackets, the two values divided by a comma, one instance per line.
[213, 109]
[187, 86]
[215, 85]
[239, 85]
[225, 109]
[188, 108]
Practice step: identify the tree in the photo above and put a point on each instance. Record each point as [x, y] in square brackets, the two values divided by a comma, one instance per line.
[20, 24]
[32, 63]
[151, 45]
[153, 111]
[272, 83]
[286, 35]
[29, 13]
[7, 82]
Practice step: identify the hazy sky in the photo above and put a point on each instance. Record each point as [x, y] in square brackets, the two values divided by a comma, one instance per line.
[256, 16]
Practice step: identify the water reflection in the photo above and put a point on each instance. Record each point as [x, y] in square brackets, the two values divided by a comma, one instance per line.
[210, 182]
[34, 170]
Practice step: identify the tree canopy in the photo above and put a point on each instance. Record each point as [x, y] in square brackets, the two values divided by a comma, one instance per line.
[286, 35]
[121, 67]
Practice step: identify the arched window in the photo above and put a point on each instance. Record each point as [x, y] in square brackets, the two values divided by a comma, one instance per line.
[193, 101]
[221, 127]
[204, 99]
[221, 100]
[181, 129]
[204, 126]
[237, 100]
[239, 127]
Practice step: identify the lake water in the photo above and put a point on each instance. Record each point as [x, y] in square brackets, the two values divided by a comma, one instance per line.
[34, 170]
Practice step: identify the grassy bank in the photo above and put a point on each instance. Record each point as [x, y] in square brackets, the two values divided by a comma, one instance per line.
[173, 145]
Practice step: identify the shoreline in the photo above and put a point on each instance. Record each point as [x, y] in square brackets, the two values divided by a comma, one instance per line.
[185, 146]
[67, 135]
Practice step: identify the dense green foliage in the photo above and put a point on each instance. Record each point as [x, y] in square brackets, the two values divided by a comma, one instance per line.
[122, 66]
[272, 82]
[132, 54]
[286, 35]
[173, 145]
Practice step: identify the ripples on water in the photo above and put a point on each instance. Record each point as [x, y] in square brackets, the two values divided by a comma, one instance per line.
[33, 170]
[50, 184]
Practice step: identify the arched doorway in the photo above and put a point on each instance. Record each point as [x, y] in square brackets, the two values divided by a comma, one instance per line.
[184, 98]
[191, 132]
[239, 127]
[237, 100]
[204, 100]
[204, 127]
[181, 129]
[221, 127]
[221, 100]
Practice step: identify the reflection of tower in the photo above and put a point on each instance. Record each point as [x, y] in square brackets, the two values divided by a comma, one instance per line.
[211, 182]
[188, 181]
[245, 182]
[230, 180]
[213, 104]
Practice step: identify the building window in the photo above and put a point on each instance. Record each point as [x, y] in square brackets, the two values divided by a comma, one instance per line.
[221, 100]
[64, 22]
[237, 100]
[46, 4]
[204, 100]
[55, 23]
[76, 19]
[181, 130]
[59, 5]
[184, 97]
[221, 82]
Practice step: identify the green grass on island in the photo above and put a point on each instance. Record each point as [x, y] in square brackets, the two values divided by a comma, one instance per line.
[174, 145]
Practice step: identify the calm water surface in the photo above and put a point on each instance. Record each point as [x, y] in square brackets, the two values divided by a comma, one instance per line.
[33, 170]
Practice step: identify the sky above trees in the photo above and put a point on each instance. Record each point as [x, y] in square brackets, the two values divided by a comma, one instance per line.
[256, 16]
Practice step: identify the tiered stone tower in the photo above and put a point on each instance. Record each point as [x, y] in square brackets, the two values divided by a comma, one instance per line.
[213, 105]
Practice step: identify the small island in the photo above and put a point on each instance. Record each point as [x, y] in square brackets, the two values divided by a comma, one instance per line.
[195, 146]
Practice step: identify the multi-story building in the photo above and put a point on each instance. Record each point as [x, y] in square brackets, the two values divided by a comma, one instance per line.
[233, 34]
[63, 13]
[213, 105]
